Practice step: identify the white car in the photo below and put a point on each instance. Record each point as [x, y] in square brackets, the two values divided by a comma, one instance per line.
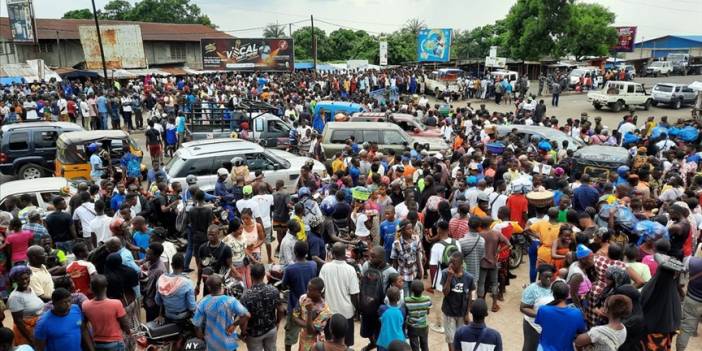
[575, 74]
[445, 79]
[617, 95]
[41, 190]
[659, 68]
[203, 158]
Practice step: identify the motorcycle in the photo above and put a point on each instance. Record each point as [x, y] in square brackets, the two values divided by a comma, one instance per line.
[162, 335]
[520, 247]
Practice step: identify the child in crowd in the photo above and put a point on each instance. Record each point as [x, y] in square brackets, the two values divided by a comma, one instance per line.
[312, 315]
[141, 236]
[392, 320]
[396, 280]
[388, 229]
[612, 335]
[418, 306]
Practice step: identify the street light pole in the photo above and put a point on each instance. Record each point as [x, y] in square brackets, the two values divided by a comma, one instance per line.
[99, 37]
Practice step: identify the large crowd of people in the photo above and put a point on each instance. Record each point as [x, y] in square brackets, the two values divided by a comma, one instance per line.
[614, 259]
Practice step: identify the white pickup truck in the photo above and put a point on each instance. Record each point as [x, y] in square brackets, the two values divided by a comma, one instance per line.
[617, 95]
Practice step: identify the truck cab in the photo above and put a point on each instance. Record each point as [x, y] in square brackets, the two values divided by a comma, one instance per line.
[442, 80]
[659, 68]
[329, 109]
[617, 95]
[270, 131]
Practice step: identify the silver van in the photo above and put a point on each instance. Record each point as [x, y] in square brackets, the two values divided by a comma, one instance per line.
[674, 95]
[388, 136]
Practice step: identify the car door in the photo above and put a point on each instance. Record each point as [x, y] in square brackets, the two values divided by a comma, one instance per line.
[392, 139]
[18, 145]
[271, 170]
[337, 140]
[45, 146]
[689, 95]
[205, 171]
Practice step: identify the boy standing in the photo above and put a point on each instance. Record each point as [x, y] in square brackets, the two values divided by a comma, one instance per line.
[418, 307]
[457, 287]
[312, 314]
[392, 319]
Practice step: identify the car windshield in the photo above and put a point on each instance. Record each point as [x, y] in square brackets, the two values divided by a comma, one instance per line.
[577, 72]
[663, 88]
[175, 165]
[276, 158]
[657, 64]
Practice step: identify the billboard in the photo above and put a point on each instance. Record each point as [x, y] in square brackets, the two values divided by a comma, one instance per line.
[625, 39]
[434, 45]
[383, 53]
[21, 18]
[122, 45]
[254, 54]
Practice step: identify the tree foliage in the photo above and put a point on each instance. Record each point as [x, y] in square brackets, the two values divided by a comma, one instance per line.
[78, 14]
[589, 31]
[535, 26]
[274, 30]
[165, 11]
[413, 26]
[476, 43]
[303, 44]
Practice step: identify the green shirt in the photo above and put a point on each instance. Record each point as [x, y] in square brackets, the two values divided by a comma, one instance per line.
[417, 311]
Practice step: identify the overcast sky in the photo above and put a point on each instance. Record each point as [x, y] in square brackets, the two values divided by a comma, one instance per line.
[653, 17]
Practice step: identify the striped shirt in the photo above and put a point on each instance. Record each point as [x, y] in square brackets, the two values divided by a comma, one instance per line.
[215, 314]
[473, 249]
[417, 311]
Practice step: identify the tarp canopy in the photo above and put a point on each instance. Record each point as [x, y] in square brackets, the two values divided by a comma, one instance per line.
[603, 154]
[11, 80]
[29, 71]
[72, 73]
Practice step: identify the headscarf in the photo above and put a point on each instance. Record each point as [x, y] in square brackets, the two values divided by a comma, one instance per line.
[618, 276]
[661, 301]
[17, 271]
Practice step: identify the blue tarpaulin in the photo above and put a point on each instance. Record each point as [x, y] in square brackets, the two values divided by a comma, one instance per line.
[11, 80]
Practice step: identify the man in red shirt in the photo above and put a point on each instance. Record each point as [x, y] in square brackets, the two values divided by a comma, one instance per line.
[81, 270]
[518, 206]
[106, 316]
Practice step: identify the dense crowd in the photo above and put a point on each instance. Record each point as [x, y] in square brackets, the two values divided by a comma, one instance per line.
[614, 261]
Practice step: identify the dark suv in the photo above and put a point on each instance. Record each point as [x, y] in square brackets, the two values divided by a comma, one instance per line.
[28, 150]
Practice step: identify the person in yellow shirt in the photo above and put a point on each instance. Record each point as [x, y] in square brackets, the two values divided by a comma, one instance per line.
[338, 163]
[547, 231]
[298, 213]
[482, 209]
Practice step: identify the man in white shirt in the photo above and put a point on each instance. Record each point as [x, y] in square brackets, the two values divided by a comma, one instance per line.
[100, 225]
[665, 144]
[342, 288]
[265, 202]
[85, 213]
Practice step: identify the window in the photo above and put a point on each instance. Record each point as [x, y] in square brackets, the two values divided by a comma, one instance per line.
[258, 124]
[198, 167]
[277, 127]
[371, 136]
[630, 88]
[18, 141]
[687, 90]
[391, 137]
[178, 52]
[45, 140]
[259, 162]
[340, 136]
[640, 89]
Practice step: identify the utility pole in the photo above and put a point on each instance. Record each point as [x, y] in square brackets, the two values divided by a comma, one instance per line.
[290, 29]
[99, 37]
[314, 47]
[58, 49]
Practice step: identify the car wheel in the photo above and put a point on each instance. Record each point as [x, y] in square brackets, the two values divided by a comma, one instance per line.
[678, 104]
[617, 106]
[30, 171]
[654, 103]
[597, 106]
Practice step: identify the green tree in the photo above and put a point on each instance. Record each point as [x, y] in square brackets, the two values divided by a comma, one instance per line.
[117, 10]
[535, 26]
[476, 43]
[341, 43]
[79, 14]
[365, 47]
[589, 31]
[303, 44]
[274, 30]
[414, 25]
[402, 47]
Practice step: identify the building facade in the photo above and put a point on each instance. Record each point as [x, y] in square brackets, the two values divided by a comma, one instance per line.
[659, 48]
[59, 44]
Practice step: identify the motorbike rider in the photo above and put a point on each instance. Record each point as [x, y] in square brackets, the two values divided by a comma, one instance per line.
[225, 193]
[175, 295]
[191, 180]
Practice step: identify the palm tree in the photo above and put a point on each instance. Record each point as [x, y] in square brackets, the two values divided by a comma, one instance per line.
[414, 25]
[274, 30]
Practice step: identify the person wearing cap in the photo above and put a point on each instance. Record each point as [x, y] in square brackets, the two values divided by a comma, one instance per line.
[249, 202]
[482, 208]
[477, 335]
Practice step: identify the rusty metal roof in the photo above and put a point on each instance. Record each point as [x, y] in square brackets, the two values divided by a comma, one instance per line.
[68, 29]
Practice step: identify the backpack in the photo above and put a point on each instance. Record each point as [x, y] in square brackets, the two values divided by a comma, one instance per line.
[449, 249]
[311, 217]
[371, 294]
[180, 219]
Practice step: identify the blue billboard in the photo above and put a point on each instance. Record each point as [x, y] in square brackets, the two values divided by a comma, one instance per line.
[434, 45]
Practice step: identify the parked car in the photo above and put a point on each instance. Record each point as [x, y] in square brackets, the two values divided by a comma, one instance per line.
[526, 132]
[42, 191]
[594, 72]
[388, 136]
[511, 76]
[444, 79]
[203, 158]
[270, 131]
[674, 95]
[410, 124]
[659, 68]
[28, 150]
[617, 95]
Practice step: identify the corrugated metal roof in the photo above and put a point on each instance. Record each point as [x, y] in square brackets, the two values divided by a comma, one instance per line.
[695, 38]
[68, 29]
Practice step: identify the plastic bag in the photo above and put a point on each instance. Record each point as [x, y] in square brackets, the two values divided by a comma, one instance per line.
[688, 134]
[657, 131]
[544, 145]
[630, 138]
[650, 229]
[624, 216]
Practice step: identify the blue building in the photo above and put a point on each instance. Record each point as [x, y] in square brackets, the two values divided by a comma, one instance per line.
[662, 46]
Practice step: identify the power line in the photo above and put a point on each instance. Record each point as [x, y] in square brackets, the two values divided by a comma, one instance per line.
[347, 27]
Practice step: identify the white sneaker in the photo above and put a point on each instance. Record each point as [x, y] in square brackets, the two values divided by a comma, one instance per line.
[436, 328]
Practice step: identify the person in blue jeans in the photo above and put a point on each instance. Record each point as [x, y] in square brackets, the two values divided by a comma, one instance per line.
[560, 324]
[392, 320]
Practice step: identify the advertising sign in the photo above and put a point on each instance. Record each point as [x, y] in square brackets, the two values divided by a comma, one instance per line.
[625, 39]
[434, 45]
[495, 61]
[383, 53]
[122, 44]
[21, 17]
[255, 54]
